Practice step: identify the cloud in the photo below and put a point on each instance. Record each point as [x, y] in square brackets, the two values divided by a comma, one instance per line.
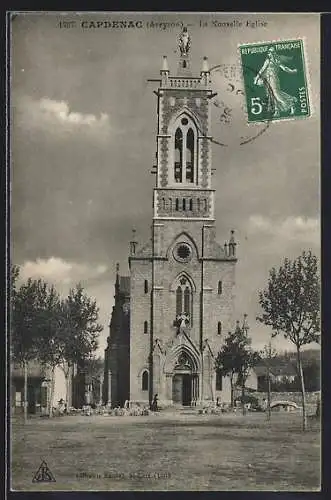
[53, 116]
[60, 272]
[303, 229]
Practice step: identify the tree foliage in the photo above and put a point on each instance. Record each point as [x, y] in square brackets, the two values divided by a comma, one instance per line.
[236, 358]
[80, 329]
[291, 305]
[14, 275]
[51, 330]
[290, 302]
[28, 319]
[247, 358]
[228, 360]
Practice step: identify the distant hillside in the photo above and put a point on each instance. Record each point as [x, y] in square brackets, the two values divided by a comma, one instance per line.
[285, 365]
[308, 356]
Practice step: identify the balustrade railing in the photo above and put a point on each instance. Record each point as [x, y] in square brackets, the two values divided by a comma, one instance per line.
[192, 83]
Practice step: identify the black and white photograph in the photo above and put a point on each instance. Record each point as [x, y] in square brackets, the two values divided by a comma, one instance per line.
[164, 324]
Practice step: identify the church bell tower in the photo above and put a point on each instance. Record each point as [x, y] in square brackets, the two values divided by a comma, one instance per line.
[181, 295]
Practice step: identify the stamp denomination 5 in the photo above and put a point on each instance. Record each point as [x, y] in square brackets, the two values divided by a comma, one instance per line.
[275, 80]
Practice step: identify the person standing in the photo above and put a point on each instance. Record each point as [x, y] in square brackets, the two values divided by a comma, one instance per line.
[154, 403]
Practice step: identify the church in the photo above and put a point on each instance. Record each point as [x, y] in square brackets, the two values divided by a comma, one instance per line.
[172, 312]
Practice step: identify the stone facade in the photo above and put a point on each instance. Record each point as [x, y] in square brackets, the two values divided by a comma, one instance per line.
[116, 384]
[181, 292]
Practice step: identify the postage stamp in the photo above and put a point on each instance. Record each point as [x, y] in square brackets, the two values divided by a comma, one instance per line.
[275, 80]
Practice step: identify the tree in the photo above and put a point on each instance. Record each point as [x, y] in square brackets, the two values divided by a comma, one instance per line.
[268, 354]
[27, 316]
[290, 305]
[236, 358]
[226, 362]
[48, 346]
[14, 275]
[78, 336]
[246, 358]
[93, 370]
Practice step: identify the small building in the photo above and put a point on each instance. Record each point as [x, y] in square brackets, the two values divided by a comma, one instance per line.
[38, 387]
[281, 372]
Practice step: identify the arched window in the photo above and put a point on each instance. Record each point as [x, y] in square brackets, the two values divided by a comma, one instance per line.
[205, 204]
[163, 203]
[191, 204]
[144, 381]
[179, 155]
[187, 300]
[146, 286]
[220, 288]
[145, 326]
[219, 328]
[199, 204]
[185, 149]
[184, 299]
[184, 204]
[218, 381]
[179, 301]
[190, 156]
[177, 204]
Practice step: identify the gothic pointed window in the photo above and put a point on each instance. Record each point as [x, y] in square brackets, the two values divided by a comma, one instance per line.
[184, 204]
[179, 300]
[178, 155]
[177, 204]
[187, 300]
[190, 156]
[185, 149]
[144, 381]
[184, 299]
[191, 204]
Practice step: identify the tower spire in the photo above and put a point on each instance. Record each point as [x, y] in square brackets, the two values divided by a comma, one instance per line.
[133, 242]
[117, 282]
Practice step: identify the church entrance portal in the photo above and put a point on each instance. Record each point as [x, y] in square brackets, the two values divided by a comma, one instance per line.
[182, 389]
[184, 381]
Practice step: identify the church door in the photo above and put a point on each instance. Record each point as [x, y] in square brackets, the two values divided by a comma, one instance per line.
[187, 390]
[182, 389]
[177, 383]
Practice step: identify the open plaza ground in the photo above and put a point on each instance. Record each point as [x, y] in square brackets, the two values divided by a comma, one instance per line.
[168, 451]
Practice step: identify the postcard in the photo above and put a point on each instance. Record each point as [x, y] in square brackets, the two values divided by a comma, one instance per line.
[165, 251]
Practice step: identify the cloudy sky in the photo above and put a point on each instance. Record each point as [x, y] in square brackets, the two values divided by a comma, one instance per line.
[83, 144]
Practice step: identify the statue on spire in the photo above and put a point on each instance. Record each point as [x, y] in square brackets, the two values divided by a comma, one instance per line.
[184, 42]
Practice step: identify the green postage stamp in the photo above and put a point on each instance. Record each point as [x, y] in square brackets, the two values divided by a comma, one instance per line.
[275, 80]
